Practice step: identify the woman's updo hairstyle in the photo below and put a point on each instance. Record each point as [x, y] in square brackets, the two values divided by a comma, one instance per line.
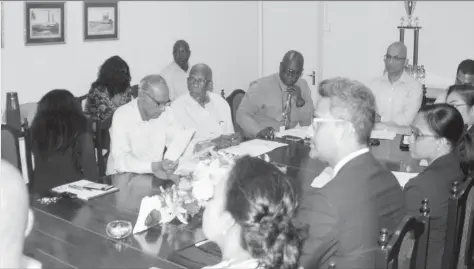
[263, 201]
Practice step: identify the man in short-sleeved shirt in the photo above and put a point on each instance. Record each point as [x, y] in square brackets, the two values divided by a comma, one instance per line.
[261, 109]
[398, 96]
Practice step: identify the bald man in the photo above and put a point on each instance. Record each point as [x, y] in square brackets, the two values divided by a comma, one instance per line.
[141, 129]
[16, 219]
[398, 95]
[176, 72]
[464, 75]
[261, 112]
[204, 111]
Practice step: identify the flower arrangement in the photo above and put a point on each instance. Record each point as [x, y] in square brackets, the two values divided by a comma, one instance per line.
[191, 192]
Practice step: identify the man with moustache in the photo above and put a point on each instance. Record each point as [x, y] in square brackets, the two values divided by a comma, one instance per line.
[204, 111]
[141, 129]
[176, 72]
[260, 113]
[398, 95]
[346, 213]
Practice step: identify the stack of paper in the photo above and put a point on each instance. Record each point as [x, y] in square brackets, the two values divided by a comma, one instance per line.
[301, 132]
[254, 147]
[80, 189]
[383, 134]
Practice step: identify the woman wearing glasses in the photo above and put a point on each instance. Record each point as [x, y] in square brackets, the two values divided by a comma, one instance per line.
[462, 98]
[438, 135]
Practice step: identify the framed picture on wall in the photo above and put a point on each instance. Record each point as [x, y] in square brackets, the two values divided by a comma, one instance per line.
[101, 20]
[44, 23]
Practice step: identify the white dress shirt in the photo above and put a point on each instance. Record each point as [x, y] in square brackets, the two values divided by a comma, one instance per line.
[397, 102]
[210, 121]
[176, 79]
[135, 143]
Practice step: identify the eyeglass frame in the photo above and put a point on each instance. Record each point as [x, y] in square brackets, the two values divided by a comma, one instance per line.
[160, 104]
[415, 136]
[388, 57]
[202, 81]
[318, 120]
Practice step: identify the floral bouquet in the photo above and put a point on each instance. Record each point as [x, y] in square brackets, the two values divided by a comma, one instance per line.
[190, 193]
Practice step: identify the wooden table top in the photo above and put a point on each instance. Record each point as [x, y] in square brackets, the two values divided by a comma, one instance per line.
[71, 233]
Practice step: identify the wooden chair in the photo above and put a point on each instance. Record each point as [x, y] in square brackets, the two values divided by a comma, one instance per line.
[11, 146]
[456, 217]
[135, 91]
[234, 100]
[409, 242]
[82, 100]
[466, 257]
[28, 154]
[102, 141]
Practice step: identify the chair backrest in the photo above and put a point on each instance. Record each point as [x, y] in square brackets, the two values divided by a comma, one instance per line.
[135, 91]
[466, 255]
[456, 216]
[28, 153]
[102, 142]
[11, 146]
[409, 240]
[234, 100]
[83, 100]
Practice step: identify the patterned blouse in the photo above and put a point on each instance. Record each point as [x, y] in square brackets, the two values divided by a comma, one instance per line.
[99, 104]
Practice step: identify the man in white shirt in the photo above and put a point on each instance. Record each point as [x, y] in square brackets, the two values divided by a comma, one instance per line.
[16, 219]
[141, 129]
[206, 112]
[398, 95]
[176, 73]
[346, 214]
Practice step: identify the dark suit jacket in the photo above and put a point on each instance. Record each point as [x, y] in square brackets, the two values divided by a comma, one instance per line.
[434, 183]
[346, 215]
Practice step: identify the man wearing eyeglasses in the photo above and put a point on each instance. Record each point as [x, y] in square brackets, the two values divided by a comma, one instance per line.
[141, 129]
[177, 71]
[398, 95]
[464, 75]
[346, 213]
[269, 100]
[204, 111]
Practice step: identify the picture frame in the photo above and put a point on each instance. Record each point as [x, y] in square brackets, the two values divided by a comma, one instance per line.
[101, 21]
[44, 23]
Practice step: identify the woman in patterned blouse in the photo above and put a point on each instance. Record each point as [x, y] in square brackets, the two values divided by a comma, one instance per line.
[111, 89]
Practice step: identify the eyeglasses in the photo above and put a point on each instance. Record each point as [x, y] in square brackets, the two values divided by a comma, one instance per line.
[415, 134]
[198, 82]
[158, 103]
[457, 105]
[388, 57]
[290, 72]
[318, 121]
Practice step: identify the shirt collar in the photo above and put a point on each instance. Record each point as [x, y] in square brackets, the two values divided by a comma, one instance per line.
[402, 80]
[348, 158]
[178, 68]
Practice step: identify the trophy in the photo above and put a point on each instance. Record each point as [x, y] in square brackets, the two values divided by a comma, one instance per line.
[410, 24]
[410, 8]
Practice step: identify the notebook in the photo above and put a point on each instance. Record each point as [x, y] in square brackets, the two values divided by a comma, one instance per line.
[179, 145]
[85, 189]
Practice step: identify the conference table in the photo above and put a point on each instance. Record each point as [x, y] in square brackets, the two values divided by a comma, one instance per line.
[71, 233]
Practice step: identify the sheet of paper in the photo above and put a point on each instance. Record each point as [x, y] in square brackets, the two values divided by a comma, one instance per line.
[147, 205]
[254, 147]
[179, 144]
[301, 132]
[383, 134]
[403, 177]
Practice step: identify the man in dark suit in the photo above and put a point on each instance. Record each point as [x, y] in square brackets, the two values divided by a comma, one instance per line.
[346, 214]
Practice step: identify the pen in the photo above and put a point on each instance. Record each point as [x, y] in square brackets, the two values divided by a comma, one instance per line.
[198, 244]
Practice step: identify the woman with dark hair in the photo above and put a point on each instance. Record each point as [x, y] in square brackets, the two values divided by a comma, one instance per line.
[111, 89]
[462, 98]
[61, 142]
[438, 136]
[250, 218]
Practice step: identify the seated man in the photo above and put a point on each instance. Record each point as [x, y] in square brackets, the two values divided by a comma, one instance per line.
[141, 129]
[177, 71]
[262, 108]
[464, 75]
[204, 111]
[346, 214]
[16, 219]
[397, 94]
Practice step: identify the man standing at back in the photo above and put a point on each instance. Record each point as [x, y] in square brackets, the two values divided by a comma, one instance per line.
[346, 214]
[262, 110]
[398, 96]
[177, 71]
[464, 75]
[16, 219]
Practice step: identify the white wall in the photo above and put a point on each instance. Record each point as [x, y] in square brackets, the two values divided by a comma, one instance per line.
[222, 34]
[361, 31]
